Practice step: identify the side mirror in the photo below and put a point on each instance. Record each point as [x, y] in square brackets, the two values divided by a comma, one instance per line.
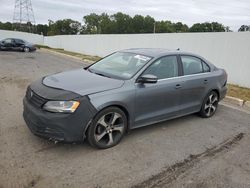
[147, 78]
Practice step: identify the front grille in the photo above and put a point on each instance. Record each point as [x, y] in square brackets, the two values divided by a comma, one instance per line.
[35, 99]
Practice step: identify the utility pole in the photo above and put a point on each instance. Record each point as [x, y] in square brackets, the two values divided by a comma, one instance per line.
[23, 17]
[154, 27]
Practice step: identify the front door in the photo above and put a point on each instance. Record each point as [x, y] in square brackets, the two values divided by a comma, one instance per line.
[18, 44]
[158, 101]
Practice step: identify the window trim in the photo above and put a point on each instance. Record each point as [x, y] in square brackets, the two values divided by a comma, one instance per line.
[183, 76]
[203, 62]
[178, 65]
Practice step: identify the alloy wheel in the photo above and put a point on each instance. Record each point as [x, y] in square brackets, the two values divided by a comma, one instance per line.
[211, 104]
[109, 129]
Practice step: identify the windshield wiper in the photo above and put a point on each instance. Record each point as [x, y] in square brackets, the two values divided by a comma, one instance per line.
[102, 74]
[98, 73]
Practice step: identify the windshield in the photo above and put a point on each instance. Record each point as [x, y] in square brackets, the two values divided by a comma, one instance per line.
[120, 65]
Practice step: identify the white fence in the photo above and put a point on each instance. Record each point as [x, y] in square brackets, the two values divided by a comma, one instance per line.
[33, 38]
[230, 51]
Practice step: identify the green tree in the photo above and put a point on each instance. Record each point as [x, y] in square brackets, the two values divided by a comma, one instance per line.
[106, 25]
[207, 27]
[180, 27]
[244, 28]
[123, 23]
[6, 26]
[164, 27]
[138, 24]
[64, 27]
[42, 29]
[149, 24]
[92, 22]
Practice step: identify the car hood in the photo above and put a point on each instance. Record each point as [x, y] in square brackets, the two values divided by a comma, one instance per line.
[29, 44]
[81, 82]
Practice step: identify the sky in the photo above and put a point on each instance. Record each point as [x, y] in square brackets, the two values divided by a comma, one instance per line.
[232, 13]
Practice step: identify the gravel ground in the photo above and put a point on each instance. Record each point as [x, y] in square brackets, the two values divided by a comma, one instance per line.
[144, 155]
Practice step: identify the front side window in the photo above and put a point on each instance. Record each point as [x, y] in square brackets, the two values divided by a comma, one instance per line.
[165, 67]
[191, 65]
[18, 41]
[121, 65]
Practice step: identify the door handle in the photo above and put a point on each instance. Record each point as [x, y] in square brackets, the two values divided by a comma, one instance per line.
[177, 86]
[205, 81]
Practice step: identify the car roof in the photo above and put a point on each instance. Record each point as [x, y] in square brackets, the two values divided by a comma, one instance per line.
[156, 52]
[159, 52]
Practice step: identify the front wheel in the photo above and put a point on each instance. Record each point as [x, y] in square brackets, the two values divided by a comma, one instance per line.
[107, 128]
[26, 49]
[209, 105]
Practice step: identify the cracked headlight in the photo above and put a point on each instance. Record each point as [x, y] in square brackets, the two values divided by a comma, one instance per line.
[61, 106]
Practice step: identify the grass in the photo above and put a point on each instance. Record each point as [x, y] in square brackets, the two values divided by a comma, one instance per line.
[239, 92]
[82, 56]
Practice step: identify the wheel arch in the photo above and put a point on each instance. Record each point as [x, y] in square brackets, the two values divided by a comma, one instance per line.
[208, 92]
[26, 47]
[216, 91]
[121, 107]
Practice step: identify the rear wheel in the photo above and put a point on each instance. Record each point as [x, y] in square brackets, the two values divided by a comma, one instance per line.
[209, 105]
[107, 128]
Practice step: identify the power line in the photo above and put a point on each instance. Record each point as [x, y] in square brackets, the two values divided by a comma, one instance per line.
[23, 17]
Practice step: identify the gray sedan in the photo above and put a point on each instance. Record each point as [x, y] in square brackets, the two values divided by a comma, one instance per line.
[125, 90]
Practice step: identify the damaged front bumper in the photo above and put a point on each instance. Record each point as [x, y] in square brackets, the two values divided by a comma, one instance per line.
[59, 126]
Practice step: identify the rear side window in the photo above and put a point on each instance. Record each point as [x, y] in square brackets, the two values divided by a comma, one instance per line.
[191, 65]
[165, 67]
[206, 68]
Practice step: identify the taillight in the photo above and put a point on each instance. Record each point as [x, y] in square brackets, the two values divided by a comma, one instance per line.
[225, 83]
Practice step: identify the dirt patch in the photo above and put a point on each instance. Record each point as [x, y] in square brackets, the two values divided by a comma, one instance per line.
[33, 182]
[168, 175]
[20, 82]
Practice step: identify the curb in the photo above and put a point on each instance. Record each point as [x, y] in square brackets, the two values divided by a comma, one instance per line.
[237, 102]
[247, 105]
[234, 101]
[70, 56]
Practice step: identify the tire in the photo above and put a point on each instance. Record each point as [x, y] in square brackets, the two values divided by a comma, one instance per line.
[107, 128]
[209, 105]
[26, 49]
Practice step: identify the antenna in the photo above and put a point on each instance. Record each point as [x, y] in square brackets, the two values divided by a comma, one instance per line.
[23, 17]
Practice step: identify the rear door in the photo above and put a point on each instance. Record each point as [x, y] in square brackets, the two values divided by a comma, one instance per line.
[196, 80]
[7, 44]
[158, 101]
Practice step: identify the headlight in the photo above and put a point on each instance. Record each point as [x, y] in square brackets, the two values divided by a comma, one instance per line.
[61, 106]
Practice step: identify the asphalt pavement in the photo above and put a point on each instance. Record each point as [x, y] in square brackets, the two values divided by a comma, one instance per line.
[26, 160]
